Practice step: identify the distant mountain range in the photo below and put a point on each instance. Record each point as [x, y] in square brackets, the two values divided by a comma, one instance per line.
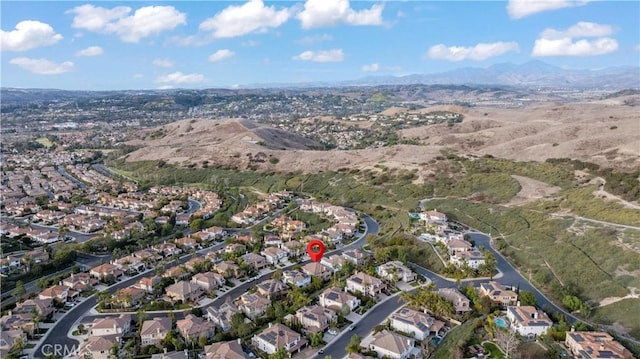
[530, 74]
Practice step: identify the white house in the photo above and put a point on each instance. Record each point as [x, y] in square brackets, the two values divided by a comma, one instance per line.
[473, 259]
[416, 323]
[336, 299]
[392, 345]
[111, 325]
[528, 321]
[395, 271]
[274, 255]
[363, 283]
[278, 336]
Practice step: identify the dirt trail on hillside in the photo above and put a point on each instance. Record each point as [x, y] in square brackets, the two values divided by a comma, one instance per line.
[531, 190]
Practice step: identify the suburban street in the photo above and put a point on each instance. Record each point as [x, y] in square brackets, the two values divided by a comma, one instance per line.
[508, 276]
[57, 337]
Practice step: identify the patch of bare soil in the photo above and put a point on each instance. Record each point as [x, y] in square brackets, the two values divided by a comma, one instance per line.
[611, 300]
[531, 190]
[602, 194]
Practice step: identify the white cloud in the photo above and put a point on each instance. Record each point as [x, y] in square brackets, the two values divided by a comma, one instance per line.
[308, 40]
[240, 20]
[221, 55]
[163, 62]
[479, 52]
[319, 13]
[145, 21]
[90, 51]
[199, 39]
[137, 76]
[180, 78]
[28, 34]
[335, 55]
[521, 8]
[42, 66]
[249, 43]
[581, 29]
[567, 47]
[552, 42]
[371, 68]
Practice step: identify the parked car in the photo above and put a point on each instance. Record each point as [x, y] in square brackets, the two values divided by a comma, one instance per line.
[332, 331]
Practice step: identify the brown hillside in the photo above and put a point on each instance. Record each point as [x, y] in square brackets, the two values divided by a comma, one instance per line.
[606, 132]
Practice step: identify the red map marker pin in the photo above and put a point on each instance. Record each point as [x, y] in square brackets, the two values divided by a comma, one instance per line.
[315, 249]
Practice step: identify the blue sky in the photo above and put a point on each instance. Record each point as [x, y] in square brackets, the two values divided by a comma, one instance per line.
[197, 44]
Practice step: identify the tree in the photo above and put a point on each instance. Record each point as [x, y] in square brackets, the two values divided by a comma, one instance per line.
[239, 327]
[42, 283]
[527, 298]
[115, 349]
[142, 316]
[282, 353]
[19, 291]
[316, 339]
[202, 341]
[354, 344]
[508, 341]
[36, 321]
[196, 225]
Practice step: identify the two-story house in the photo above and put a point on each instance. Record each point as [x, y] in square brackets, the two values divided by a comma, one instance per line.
[363, 283]
[388, 344]
[498, 293]
[272, 289]
[278, 336]
[595, 345]
[528, 321]
[184, 291]
[119, 326]
[318, 270]
[222, 315]
[315, 318]
[274, 255]
[255, 260]
[208, 281]
[415, 323]
[395, 271]
[225, 350]
[192, 328]
[334, 261]
[296, 278]
[460, 302]
[338, 300]
[253, 305]
[154, 330]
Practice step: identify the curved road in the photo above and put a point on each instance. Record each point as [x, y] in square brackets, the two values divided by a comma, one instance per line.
[56, 337]
[510, 276]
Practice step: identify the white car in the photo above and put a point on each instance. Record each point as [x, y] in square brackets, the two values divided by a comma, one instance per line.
[332, 331]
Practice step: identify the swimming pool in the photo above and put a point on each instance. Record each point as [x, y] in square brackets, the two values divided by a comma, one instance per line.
[414, 215]
[501, 322]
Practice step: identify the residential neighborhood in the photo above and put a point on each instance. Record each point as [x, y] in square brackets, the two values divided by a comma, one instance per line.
[165, 277]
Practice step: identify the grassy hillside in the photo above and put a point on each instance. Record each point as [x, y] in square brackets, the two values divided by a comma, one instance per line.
[564, 256]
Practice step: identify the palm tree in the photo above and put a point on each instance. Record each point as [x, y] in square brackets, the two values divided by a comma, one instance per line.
[354, 344]
[36, 321]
